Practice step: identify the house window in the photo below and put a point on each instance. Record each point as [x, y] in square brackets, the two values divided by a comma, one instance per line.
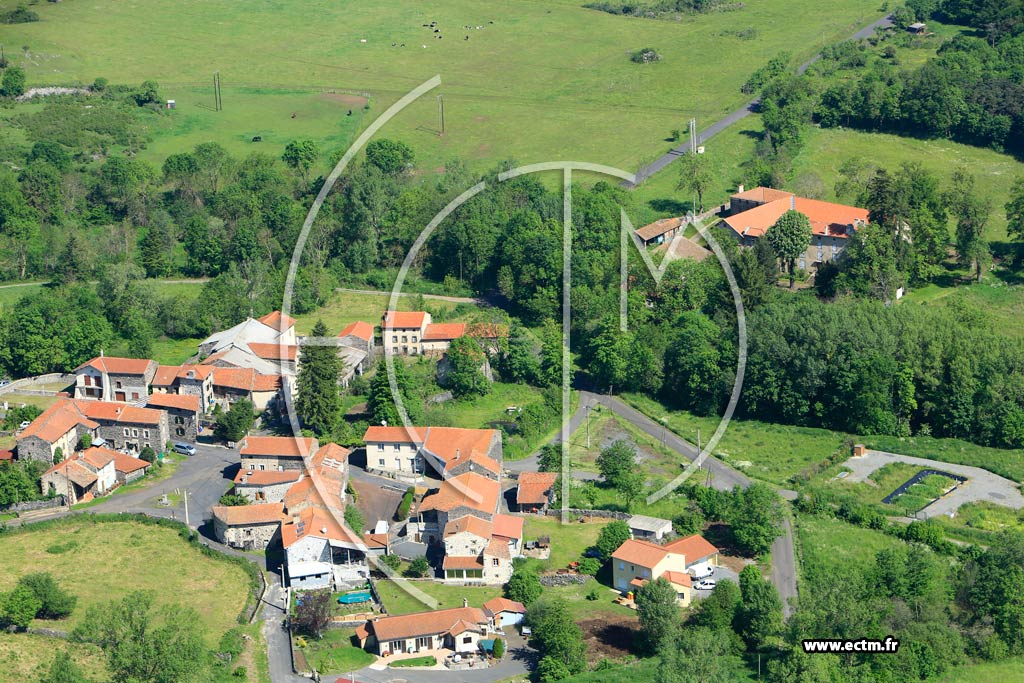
[380, 447]
[405, 338]
[495, 562]
[135, 432]
[398, 448]
[117, 384]
[622, 565]
[467, 640]
[126, 432]
[145, 433]
[262, 467]
[414, 337]
[394, 338]
[381, 462]
[179, 431]
[252, 466]
[135, 396]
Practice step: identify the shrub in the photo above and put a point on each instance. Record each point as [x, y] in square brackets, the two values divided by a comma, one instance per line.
[590, 566]
[147, 454]
[418, 568]
[499, 648]
[647, 55]
[56, 603]
[393, 562]
[19, 15]
[406, 504]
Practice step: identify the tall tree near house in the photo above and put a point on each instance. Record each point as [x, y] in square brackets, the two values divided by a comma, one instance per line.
[236, 422]
[790, 237]
[313, 614]
[658, 613]
[465, 375]
[319, 402]
[1015, 210]
[972, 214]
[696, 175]
[616, 460]
[760, 613]
[64, 670]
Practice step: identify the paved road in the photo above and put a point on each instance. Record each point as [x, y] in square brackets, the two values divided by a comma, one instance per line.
[741, 113]
[518, 662]
[783, 574]
[981, 485]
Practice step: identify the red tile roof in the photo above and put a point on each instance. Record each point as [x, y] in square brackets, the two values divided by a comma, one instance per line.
[128, 464]
[498, 547]
[242, 515]
[400, 320]
[425, 623]
[763, 194]
[455, 445]
[278, 321]
[659, 227]
[498, 605]
[358, 329]
[693, 548]
[640, 553]
[56, 421]
[6, 455]
[288, 446]
[75, 470]
[98, 457]
[166, 375]
[119, 366]
[316, 523]
[246, 477]
[678, 578]
[826, 218]
[177, 401]
[471, 490]
[533, 487]
[444, 331]
[375, 540]
[508, 526]
[462, 562]
[377, 434]
[469, 524]
[274, 351]
[111, 411]
[245, 379]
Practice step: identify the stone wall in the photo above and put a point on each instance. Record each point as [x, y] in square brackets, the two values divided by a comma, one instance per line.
[564, 579]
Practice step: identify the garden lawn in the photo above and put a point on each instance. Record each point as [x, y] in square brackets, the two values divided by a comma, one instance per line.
[102, 561]
[23, 655]
[1001, 303]
[826, 149]
[555, 69]
[1009, 670]
[428, 660]
[397, 601]
[336, 653]
[568, 541]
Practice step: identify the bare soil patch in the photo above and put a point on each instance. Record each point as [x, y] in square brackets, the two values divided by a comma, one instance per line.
[611, 637]
[345, 98]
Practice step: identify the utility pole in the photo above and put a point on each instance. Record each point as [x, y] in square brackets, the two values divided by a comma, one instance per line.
[218, 103]
[440, 112]
[186, 507]
[693, 136]
[67, 478]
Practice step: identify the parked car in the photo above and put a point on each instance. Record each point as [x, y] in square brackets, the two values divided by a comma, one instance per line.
[701, 571]
[705, 585]
[24, 425]
[184, 449]
[4, 382]
[526, 631]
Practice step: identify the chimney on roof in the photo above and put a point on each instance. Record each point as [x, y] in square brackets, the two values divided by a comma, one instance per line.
[739, 189]
[323, 530]
[458, 453]
[465, 602]
[792, 202]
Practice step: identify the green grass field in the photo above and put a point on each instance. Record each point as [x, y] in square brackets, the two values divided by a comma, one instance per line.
[398, 601]
[827, 546]
[535, 81]
[146, 558]
[1010, 670]
[348, 307]
[828, 148]
[336, 653]
[23, 656]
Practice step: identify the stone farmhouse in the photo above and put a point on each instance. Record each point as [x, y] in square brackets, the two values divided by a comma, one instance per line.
[265, 486]
[249, 527]
[81, 477]
[114, 379]
[751, 213]
[357, 348]
[186, 380]
[449, 451]
[402, 331]
[274, 329]
[118, 425]
[277, 452]
[535, 491]
[183, 412]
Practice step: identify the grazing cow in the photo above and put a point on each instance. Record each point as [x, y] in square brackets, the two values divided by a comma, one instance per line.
[257, 138]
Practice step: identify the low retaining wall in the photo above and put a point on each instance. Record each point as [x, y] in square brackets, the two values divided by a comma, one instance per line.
[31, 505]
[564, 579]
[604, 514]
